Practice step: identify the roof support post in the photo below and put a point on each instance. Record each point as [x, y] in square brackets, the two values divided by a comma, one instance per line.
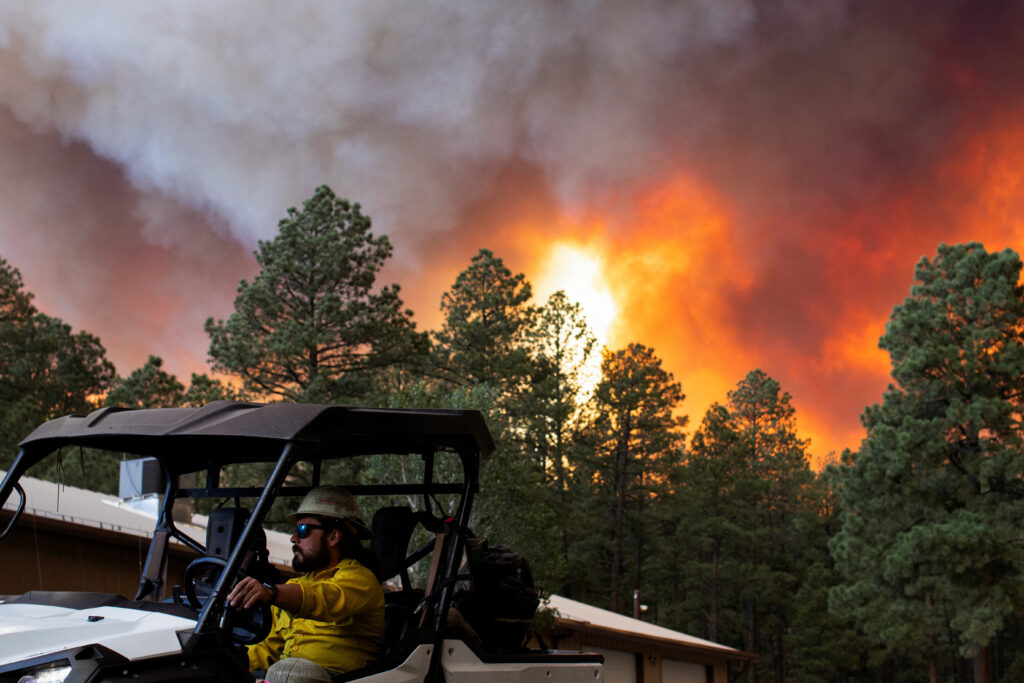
[215, 605]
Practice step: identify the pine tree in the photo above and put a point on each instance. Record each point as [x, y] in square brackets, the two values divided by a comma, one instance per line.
[637, 442]
[933, 502]
[203, 389]
[765, 420]
[481, 351]
[310, 327]
[712, 524]
[486, 318]
[46, 371]
[561, 346]
[557, 409]
[748, 524]
[147, 387]
[153, 387]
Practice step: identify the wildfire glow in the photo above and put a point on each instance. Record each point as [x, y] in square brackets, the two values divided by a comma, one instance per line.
[578, 272]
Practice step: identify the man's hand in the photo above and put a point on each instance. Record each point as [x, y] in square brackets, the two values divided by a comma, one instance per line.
[249, 592]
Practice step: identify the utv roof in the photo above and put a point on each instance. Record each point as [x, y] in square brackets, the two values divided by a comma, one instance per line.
[223, 432]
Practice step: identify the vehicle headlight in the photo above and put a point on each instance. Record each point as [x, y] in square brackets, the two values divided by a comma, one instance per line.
[53, 672]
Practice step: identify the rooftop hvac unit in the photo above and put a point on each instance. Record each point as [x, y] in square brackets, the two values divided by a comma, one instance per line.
[140, 477]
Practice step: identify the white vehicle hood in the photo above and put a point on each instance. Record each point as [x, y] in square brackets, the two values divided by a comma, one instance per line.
[28, 631]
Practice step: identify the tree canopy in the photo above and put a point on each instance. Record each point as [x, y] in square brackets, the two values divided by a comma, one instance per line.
[933, 501]
[153, 387]
[46, 370]
[748, 518]
[310, 326]
[486, 317]
[637, 437]
[147, 387]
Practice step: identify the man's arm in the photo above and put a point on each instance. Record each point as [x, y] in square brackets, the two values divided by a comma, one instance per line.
[347, 592]
[249, 592]
[350, 590]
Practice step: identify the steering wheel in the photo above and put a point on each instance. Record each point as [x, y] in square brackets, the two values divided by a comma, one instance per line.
[246, 627]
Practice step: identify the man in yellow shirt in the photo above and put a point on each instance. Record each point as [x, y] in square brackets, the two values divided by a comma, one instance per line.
[331, 618]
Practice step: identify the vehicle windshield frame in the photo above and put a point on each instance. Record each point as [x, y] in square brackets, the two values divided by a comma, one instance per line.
[185, 440]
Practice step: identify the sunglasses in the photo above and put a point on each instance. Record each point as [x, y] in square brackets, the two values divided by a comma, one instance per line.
[302, 530]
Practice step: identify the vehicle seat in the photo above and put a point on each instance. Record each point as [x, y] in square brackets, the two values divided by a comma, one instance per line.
[392, 530]
[223, 529]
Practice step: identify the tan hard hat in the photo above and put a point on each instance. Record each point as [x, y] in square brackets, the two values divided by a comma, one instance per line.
[332, 502]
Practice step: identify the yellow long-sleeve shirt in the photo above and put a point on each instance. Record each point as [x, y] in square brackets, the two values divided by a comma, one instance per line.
[340, 625]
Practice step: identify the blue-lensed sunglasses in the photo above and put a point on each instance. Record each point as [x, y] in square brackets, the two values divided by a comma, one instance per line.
[302, 530]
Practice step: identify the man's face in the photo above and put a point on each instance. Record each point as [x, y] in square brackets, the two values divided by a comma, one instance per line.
[310, 553]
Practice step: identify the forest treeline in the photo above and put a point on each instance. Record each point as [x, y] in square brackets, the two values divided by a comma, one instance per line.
[904, 561]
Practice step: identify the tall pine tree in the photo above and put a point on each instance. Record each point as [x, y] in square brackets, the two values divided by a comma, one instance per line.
[638, 437]
[933, 502]
[310, 326]
[749, 523]
[482, 351]
[487, 316]
[557, 410]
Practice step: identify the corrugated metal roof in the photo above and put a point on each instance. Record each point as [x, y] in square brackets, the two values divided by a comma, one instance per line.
[604, 619]
[101, 511]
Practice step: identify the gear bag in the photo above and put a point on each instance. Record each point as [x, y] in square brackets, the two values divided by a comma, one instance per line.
[501, 599]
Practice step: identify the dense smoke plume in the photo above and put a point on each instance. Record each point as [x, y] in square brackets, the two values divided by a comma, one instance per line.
[760, 177]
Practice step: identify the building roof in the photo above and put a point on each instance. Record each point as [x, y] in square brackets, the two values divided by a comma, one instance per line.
[594, 619]
[48, 500]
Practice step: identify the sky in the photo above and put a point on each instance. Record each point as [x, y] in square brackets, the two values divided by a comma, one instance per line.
[737, 184]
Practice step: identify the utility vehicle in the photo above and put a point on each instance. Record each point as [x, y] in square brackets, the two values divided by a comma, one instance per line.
[166, 633]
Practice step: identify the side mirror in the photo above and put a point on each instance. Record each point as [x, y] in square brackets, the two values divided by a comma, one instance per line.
[17, 513]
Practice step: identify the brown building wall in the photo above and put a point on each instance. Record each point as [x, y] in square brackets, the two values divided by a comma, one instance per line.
[45, 554]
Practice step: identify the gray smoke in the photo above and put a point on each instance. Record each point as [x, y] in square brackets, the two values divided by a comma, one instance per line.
[240, 109]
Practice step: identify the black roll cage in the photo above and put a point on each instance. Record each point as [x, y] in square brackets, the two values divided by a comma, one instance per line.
[186, 440]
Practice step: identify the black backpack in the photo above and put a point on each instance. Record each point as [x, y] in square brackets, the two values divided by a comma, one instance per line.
[500, 600]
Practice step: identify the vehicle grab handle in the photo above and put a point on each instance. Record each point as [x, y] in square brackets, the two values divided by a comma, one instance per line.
[17, 513]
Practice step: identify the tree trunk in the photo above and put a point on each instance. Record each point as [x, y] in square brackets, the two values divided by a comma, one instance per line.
[619, 529]
[933, 657]
[713, 612]
[982, 672]
[751, 639]
[781, 672]
[621, 463]
[887, 675]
